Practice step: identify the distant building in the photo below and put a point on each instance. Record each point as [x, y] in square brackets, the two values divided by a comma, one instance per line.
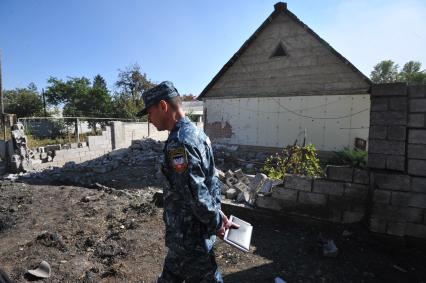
[283, 80]
[194, 108]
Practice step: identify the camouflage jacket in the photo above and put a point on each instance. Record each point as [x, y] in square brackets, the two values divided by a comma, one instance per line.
[192, 201]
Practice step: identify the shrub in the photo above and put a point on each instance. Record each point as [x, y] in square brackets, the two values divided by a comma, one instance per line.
[353, 157]
[294, 159]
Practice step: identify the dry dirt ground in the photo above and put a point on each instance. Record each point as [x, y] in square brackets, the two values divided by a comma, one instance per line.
[95, 235]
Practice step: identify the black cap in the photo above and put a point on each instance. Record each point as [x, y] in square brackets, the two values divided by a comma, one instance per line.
[163, 91]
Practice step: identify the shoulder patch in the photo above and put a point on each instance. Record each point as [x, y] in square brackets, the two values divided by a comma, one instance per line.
[178, 159]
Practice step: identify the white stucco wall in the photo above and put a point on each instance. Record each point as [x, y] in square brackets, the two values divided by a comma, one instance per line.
[332, 122]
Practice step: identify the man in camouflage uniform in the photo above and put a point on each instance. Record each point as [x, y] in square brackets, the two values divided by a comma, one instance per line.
[192, 202]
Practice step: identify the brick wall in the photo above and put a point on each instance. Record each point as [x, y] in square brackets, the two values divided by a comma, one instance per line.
[96, 146]
[341, 197]
[397, 158]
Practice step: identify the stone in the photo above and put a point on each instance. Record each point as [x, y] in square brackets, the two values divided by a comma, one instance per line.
[418, 105]
[312, 198]
[418, 184]
[417, 90]
[417, 136]
[379, 104]
[389, 181]
[355, 191]
[339, 173]
[396, 228]
[388, 118]
[398, 103]
[328, 187]
[352, 216]
[377, 161]
[417, 200]
[400, 198]
[377, 225]
[268, 203]
[298, 182]
[267, 186]
[285, 194]
[416, 120]
[395, 162]
[386, 147]
[381, 196]
[415, 230]
[232, 193]
[361, 176]
[389, 89]
[378, 132]
[397, 133]
[417, 151]
[257, 182]
[417, 167]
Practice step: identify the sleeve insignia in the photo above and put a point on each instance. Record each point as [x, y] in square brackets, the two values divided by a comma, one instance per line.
[178, 159]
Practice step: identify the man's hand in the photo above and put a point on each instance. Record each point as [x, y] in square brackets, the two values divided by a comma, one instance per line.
[226, 224]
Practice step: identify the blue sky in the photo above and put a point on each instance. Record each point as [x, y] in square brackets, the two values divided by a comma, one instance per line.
[187, 41]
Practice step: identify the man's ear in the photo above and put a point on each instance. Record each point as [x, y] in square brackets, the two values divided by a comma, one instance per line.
[163, 105]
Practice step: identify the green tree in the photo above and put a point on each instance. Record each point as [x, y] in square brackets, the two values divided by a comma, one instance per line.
[24, 102]
[412, 73]
[385, 72]
[131, 84]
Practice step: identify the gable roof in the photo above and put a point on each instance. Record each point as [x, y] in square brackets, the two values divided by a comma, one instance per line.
[279, 8]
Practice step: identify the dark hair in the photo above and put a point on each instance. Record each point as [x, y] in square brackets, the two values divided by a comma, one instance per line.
[175, 102]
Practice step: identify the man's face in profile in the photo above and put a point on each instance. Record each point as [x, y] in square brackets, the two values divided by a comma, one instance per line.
[157, 114]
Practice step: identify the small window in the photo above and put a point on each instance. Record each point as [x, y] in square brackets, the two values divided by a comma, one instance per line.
[279, 51]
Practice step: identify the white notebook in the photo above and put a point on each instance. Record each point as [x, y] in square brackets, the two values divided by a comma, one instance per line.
[241, 237]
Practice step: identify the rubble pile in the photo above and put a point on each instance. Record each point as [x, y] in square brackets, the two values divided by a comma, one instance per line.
[243, 188]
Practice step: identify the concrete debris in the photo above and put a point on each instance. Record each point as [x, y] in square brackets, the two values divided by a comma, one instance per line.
[244, 188]
[232, 193]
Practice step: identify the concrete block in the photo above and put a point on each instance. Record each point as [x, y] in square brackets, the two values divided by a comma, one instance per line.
[74, 145]
[416, 120]
[285, 194]
[417, 200]
[417, 136]
[379, 104]
[388, 118]
[268, 203]
[389, 89]
[380, 196]
[352, 217]
[355, 191]
[417, 167]
[397, 213]
[339, 173]
[415, 230]
[398, 103]
[397, 133]
[378, 132]
[376, 161]
[312, 198]
[377, 225]
[395, 162]
[418, 105]
[417, 151]
[328, 187]
[400, 198]
[386, 147]
[361, 176]
[389, 181]
[335, 216]
[297, 182]
[418, 184]
[396, 228]
[417, 90]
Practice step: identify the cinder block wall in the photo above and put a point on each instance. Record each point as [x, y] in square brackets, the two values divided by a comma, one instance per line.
[96, 146]
[397, 159]
[341, 197]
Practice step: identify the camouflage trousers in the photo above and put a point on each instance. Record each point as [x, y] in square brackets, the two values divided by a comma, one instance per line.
[190, 268]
